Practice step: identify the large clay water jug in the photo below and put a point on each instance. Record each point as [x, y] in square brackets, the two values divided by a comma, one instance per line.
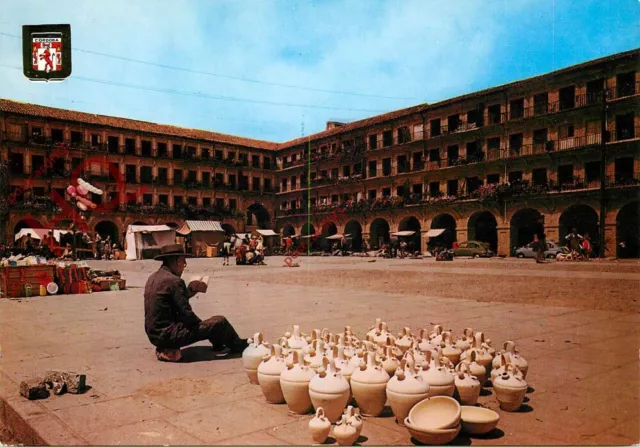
[252, 356]
[294, 381]
[404, 340]
[405, 389]
[467, 386]
[441, 381]
[269, 375]
[510, 388]
[369, 384]
[330, 390]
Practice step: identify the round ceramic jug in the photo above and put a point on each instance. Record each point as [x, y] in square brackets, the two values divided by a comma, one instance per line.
[353, 416]
[375, 328]
[449, 350]
[435, 336]
[389, 361]
[441, 381]
[316, 354]
[380, 337]
[404, 340]
[514, 357]
[296, 340]
[320, 427]
[395, 350]
[490, 349]
[482, 356]
[422, 342]
[369, 385]
[330, 390]
[269, 375]
[405, 389]
[510, 389]
[418, 353]
[252, 356]
[504, 360]
[475, 368]
[467, 386]
[465, 341]
[294, 382]
[345, 365]
[344, 432]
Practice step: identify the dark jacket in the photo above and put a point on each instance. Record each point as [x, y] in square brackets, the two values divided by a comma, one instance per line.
[166, 306]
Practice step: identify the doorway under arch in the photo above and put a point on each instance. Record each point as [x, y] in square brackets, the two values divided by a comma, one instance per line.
[584, 219]
[523, 224]
[107, 228]
[412, 223]
[257, 215]
[228, 229]
[288, 230]
[379, 233]
[444, 222]
[483, 227]
[354, 230]
[628, 231]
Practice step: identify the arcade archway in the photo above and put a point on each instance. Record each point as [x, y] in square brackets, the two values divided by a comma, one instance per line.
[26, 223]
[628, 231]
[379, 233]
[228, 229]
[411, 223]
[483, 227]
[257, 215]
[308, 230]
[354, 230]
[288, 230]
[523, 224]
[444, 222]
[328, 229]
[584, 219]
[106, 228]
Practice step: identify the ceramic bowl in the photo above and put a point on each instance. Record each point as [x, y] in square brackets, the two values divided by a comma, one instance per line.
[436, 412]
[432, 436]
[478, 420]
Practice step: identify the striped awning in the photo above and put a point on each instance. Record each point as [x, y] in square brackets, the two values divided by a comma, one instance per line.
[200, 225]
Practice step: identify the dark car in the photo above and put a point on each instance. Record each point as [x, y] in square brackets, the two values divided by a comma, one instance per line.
[475, 249]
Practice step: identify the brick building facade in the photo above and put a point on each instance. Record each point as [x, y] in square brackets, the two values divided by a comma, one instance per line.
[482, 166]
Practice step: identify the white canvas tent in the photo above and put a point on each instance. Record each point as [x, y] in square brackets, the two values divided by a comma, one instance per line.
[203, 233]
[39, 233]
[403, 233]
[435, 232]
[143, 237]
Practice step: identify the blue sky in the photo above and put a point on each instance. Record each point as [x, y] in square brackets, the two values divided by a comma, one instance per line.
[385, 54]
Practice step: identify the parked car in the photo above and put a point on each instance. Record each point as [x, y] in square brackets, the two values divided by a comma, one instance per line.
[476, 249]
[529, 250]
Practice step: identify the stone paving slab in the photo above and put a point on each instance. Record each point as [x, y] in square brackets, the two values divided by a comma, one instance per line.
[584, 372]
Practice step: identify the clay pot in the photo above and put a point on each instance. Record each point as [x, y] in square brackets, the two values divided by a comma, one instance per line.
[423, 343]
[389, 361]
[354, 418]
[405, 389]
[449, 350]
[404, 340]
[504, 360]
[296, 340]
[478, 420]
[320, 427]
[475, 368]
[330, 390]
[252, 356]
[435, 336]
[269, 375]
[433, 436]
[344, 432]
[294, 381]
[510, 389]
[465, 341]
[316, 354]
[435, 413]
[441, 381]
[374, 329]
[380, 337]
[467, 386]
[482, 356]
[369, 385]
[514, 358]
[346, 366]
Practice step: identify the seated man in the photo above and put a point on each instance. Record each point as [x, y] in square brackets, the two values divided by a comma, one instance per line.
[170, 323]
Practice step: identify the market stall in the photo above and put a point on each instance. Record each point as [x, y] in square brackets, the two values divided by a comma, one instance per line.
[204, 237]
[144, 241]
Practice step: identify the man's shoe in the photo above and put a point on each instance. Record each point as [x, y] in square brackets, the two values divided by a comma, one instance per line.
[239, 346]
[221, 352]
[168, 355]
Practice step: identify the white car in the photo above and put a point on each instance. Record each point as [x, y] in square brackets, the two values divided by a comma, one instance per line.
[528, 251]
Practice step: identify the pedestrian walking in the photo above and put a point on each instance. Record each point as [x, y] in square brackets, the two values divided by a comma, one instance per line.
[541, 239]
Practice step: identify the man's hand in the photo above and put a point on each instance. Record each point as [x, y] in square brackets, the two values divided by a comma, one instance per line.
[197, 287]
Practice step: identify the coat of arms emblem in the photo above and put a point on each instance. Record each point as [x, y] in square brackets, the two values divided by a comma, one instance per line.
[49, 51]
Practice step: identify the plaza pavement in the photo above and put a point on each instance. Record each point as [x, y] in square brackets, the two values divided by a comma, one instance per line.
[583, 369]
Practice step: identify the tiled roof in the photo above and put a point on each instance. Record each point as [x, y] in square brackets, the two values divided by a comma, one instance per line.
[22, 108]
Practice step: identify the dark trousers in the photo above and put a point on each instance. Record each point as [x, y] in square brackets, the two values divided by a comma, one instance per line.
[216, 329]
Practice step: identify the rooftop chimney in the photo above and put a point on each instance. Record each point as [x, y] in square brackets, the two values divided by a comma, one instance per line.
[334, 124]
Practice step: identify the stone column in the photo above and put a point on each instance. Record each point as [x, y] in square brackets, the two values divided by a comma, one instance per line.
[504, 240]
[553, 233]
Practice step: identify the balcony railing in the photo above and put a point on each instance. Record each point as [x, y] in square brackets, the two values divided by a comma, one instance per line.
[623, 91]
[626, 133]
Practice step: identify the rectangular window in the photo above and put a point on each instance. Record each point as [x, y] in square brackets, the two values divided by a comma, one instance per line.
[130, 173]
[177, 200]
[453, 123]
[435, 127]
[371, 194]
[404, 135]
[219, 179]
[163, 199]
[473, 183]
[147, 199]
[592, 171]
[293, 182]
[452, 187]
[206, 178]
[434, 155]
[76, 138]
[373, 168]
[386, 192]
[255, 161]
[516, 109]
[495, 114]
[219, 203]
[57, 135]
[218, 154]
[434, 189]
[565, 174]
[387, 138]
[402, 164]
[541, 103]
[334, 173]
[267, 163]
[95, 139]
[192, 176]
[233, 204]
[162, 176]
[493, 179]
[346, 171]
[206, 202]
[177, 176]
[205, 153]
[267, 185]
[177, 151]
[567, 97]
[453, 153]
[112, 144]
[162, 149]
[193, 201]
[539, 176]
[386, 166]
[626, 84]
[130, 146]
[145, 174]
[255, 183]
[146, 148]
[515, 176]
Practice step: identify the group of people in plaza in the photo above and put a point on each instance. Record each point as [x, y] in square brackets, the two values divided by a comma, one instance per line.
[247, 250]
[579, 246]
[70, 246]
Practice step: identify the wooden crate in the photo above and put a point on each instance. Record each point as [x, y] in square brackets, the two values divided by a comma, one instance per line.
[14, 279]
[212, 251]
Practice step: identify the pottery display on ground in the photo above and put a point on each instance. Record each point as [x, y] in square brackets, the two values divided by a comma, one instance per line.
[514, 356]
[449, 350]
[330, 390]
[390, 361]
[320, 427]
[316, 353]
[404, 390]
[296, 340]
[465, 341]
[344, 432]
[369, 384]
[476, 369]
[252, 356]
[510, 388]
[441, 381]
[269, 375]
[478, 420]
[294, 382]
[438, 412]
[467, 386]
[404, 340]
